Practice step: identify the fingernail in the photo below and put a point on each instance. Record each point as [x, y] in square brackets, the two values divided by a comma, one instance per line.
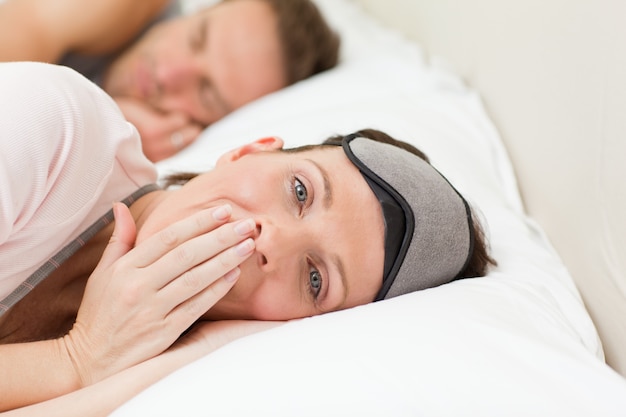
[244, 227]
[222, 212]
[116, 209]
[117, 206]
[245, 248]
[232, 275]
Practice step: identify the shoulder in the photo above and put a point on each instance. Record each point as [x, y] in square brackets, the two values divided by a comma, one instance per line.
[62, 126]
[43, 105]
[46, 30]
[66, 153]
[105, 26]
[66, 149]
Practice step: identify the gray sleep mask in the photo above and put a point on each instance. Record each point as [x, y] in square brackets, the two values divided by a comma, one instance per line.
[428, 224]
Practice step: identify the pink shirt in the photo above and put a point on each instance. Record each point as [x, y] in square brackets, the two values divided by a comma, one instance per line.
[66, 153]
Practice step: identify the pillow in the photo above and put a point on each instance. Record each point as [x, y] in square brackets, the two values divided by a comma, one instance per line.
[517, 342]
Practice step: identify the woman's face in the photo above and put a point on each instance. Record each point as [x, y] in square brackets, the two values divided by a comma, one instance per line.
[316, 218]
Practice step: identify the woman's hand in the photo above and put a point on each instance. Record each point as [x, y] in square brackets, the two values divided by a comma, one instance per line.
[139, 300]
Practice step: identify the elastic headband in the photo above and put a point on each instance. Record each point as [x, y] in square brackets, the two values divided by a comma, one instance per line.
[428, 224]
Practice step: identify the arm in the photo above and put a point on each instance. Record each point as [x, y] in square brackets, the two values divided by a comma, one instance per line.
[104, 397]
[38, 370]
[137, 302]
[139, 298]
[43, 30]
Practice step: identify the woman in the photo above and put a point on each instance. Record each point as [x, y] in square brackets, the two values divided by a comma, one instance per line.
[266, 235]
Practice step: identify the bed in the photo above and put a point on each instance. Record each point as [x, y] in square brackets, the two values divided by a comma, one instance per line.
[519, 105]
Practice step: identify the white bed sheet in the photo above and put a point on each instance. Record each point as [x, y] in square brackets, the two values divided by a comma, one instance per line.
[517, 342]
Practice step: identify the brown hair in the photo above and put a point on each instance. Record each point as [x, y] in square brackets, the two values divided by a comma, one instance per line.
[309, 45]
[479, 261]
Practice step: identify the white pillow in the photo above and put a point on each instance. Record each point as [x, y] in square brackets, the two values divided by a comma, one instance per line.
[517, 342]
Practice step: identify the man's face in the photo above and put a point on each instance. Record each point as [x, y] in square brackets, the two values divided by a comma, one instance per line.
[316, 218]
[204, 65]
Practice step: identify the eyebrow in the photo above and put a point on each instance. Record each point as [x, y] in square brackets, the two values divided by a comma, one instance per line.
[328, 189]
[203, 32]
[328, 201]
[227, 108]
[342, 274]
[219, 98]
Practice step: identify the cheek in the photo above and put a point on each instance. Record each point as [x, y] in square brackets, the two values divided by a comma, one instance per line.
[252, 190]
[268, 301]
[249, 191]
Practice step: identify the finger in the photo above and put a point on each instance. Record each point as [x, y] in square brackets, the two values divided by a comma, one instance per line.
[181, 137]
[174, 121]
[160, 133]
[182, 260]
[163, 241]
[123, 238]
[178, 131]
[197, 279]
[186, 313]
[191, 132]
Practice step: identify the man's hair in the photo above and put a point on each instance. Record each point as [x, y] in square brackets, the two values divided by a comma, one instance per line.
[309, 45]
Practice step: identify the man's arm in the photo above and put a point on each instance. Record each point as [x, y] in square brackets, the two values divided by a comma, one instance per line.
[44, 30]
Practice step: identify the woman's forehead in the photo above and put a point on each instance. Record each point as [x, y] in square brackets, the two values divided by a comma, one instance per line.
[354, 224]
[341, 174]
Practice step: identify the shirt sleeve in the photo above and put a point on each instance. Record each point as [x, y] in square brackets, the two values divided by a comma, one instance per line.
[59, 131]
[66, 153]
[31, 125]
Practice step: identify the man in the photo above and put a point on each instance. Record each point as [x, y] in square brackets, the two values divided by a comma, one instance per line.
[173, 76]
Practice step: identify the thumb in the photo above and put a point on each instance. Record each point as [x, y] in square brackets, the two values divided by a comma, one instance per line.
[123, 237]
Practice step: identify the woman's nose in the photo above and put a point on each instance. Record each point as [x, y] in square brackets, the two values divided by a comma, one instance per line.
[276, 245]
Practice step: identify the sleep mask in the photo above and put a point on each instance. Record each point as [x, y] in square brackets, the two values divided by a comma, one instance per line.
[428, 224]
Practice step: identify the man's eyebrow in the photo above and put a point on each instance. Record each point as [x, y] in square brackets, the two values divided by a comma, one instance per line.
[203, 32]
[218, 98]
[227, 108]
[217, 95]
[328, 189]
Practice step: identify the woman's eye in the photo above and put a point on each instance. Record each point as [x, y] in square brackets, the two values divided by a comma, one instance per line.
[301, 192]
[315, 282]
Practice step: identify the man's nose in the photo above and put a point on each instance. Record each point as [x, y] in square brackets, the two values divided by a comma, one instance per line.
[176, 75]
